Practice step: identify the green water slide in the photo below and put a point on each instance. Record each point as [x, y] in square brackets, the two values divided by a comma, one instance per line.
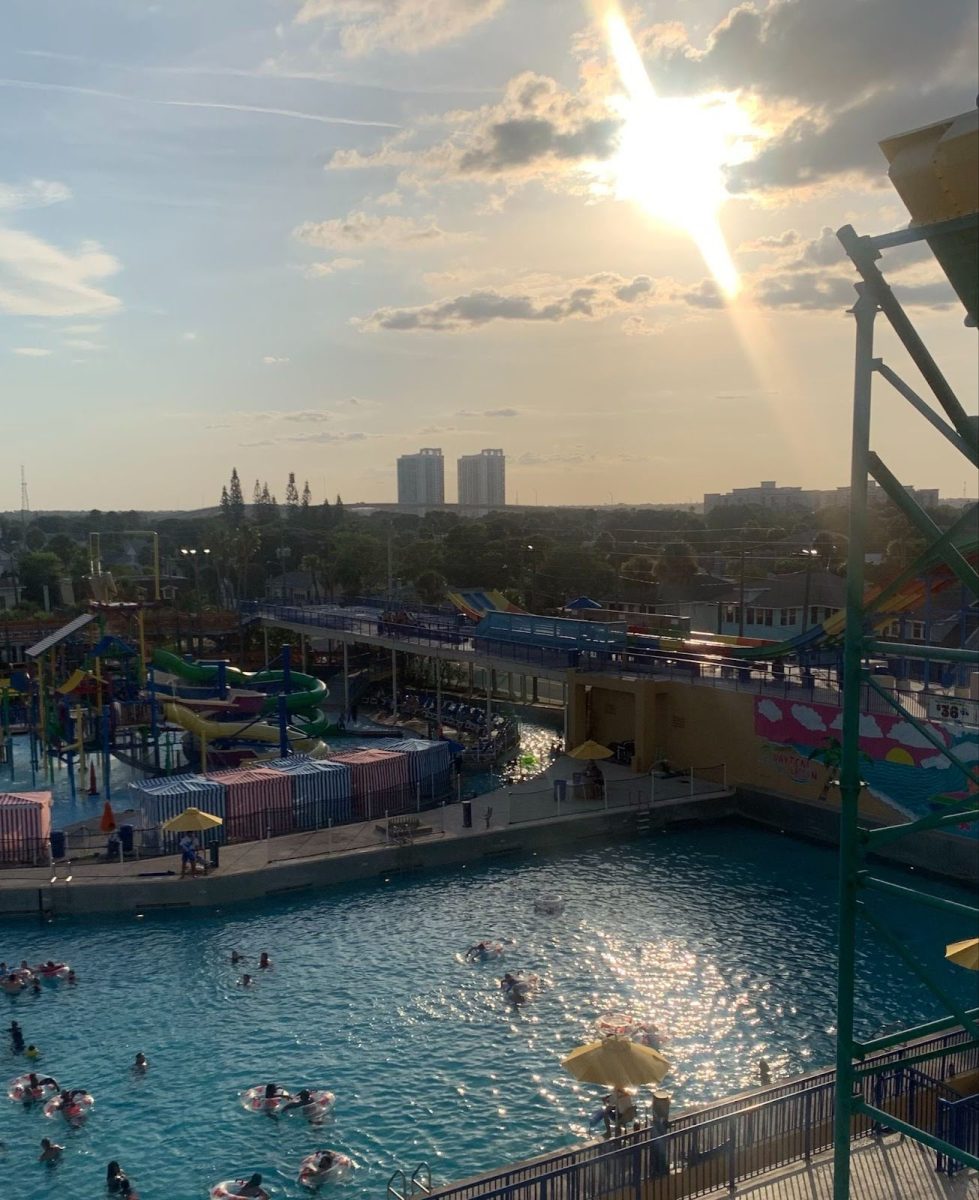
[302, 703]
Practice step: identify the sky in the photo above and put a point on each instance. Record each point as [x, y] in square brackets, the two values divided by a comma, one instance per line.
[313, 235]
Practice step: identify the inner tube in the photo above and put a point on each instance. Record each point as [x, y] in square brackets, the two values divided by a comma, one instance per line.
[309, 1177]
[74, 1113]
[521, 990]
[319, 1105]
[24, 973]
[549, 906]
[616, 1024]
[20, 1089]
[485, 952]
[55, 971]
[229, 1188]
[12, 985]
[255, 1100]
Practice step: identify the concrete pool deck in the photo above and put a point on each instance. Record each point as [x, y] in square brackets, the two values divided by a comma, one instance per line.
[523, 817]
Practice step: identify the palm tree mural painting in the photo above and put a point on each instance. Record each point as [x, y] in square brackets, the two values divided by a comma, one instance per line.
[830, 754]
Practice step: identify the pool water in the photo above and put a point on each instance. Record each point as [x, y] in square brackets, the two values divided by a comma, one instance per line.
[722, 936]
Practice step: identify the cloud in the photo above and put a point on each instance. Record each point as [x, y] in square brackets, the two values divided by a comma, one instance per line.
[78, 343]
[319, 438]
[189, 335]
[906, 733]
[358, 229]
[272, 360]
[828, 53]
[577, 457]
[808, 718]
[489, 412]
[39, 280]
[868, 725]
[769, 710]
[590, 298]
[936, 761]
[37, 193]
[31, 351]
[400, 26]
[537, 130]
[321, 270]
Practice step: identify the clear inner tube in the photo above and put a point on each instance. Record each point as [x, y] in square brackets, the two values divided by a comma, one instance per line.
[550, 906]
[315, 1109]
[228, 1189]
[255, 1100]
[22, 1090]
[312, 1176]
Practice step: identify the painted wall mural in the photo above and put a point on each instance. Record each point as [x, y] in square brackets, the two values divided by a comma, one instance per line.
[901, 767]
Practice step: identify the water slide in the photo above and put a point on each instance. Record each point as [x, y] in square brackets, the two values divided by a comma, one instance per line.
[477, 602]
[302, 703]
[300, 742]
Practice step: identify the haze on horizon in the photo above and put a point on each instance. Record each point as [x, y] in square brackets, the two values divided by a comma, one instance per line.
[312, 235]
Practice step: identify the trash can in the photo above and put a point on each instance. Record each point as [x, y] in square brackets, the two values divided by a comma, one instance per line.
[467, 814]
[214, 853]
[661, 1106]
[126, 838]
[560, 790]
[59, 844]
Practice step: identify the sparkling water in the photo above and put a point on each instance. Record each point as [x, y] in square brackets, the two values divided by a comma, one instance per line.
[722, 937]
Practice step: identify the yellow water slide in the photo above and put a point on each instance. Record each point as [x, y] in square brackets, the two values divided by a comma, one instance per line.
[248, 731]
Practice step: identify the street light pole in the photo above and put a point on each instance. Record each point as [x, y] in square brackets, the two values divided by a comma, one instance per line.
[195, 554]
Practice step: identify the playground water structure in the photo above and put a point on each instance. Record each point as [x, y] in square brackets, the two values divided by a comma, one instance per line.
[688, 931]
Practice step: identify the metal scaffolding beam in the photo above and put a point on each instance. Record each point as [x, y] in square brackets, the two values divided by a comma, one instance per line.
[950, 550]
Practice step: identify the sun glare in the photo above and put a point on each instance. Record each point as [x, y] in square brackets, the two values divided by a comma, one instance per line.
[672, 153]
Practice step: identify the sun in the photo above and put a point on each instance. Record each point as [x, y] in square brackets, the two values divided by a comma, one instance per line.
[672, 154]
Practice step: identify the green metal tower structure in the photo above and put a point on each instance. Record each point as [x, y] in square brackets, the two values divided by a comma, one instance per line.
[954, 242]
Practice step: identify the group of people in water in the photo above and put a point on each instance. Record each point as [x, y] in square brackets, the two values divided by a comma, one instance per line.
[264, 964]
[39, 1088]
[14, 980]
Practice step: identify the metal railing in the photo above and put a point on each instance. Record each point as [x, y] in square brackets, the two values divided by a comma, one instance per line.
[736, 1140]
[958, 1124]
[778, 679]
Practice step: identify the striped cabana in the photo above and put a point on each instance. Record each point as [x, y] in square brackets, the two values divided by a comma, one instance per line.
[258, 803]
[25, 826]
[379, 782]
[321, 790]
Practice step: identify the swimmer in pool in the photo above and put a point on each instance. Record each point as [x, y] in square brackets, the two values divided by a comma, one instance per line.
[264, 962]
[51, 1152]
[141, 1064]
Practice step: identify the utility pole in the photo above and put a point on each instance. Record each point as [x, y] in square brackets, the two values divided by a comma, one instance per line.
[741, 593]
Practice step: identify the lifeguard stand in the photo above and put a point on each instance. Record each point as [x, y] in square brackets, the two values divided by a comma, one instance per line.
[936, 172]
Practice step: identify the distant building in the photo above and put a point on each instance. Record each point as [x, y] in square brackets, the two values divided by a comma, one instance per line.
[421, 477]
[482, 479]
[780, 499]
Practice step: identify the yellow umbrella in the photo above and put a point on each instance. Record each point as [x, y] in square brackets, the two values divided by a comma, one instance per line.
[191, 820]
[965, 954]
[589, 750]
[617, 1062]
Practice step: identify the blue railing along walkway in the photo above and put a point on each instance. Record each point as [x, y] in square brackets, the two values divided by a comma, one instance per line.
[733, 1141]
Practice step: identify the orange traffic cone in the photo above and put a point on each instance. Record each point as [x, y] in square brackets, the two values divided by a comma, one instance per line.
[93, 783]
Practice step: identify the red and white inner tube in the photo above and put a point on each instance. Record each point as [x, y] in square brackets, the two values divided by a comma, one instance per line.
[74, 1112]
[310, 1177]
[53, 970]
